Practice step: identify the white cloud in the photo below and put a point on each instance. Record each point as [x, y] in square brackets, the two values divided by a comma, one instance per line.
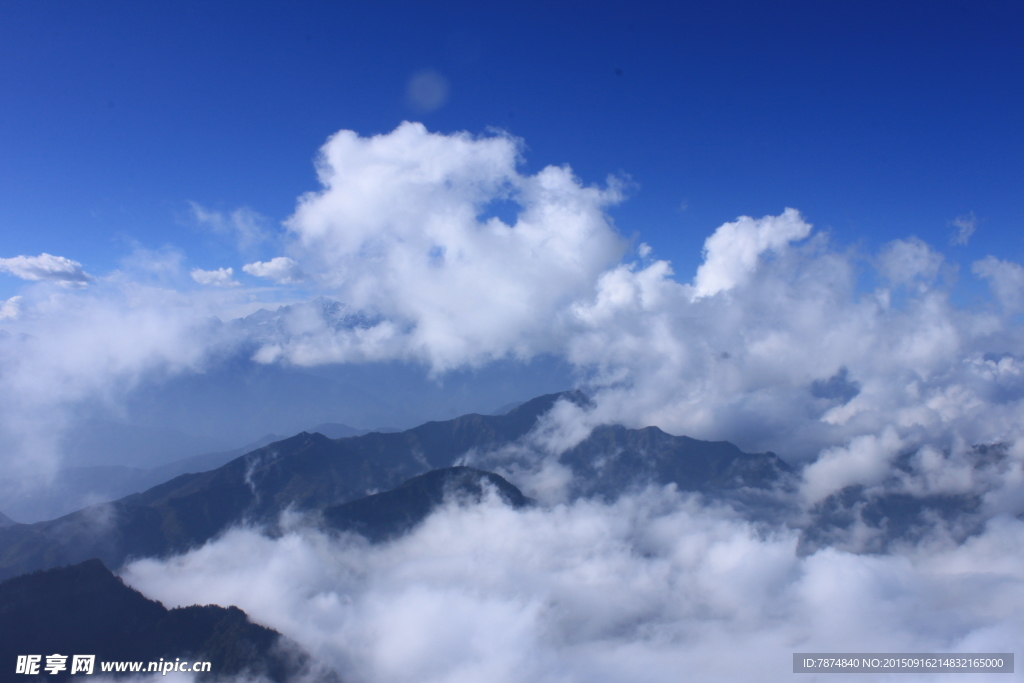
[402, 227]
[222, 277]
[48, 268]
[247, 227]
[732, 252]
[281, 269]
[965, 226]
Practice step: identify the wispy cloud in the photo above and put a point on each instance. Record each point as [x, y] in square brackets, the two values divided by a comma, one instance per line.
[246, 227]
[965, 226]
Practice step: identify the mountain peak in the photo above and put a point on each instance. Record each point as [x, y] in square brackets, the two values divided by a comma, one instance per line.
[385, 515]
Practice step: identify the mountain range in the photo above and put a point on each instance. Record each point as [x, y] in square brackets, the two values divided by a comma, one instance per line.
[312, 473]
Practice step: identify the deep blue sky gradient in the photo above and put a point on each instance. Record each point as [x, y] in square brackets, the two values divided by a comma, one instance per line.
[876, 120]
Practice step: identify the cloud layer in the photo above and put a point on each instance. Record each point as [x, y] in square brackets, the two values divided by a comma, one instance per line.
[642, 589]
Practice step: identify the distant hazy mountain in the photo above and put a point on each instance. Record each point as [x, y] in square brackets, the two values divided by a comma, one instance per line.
[5, 520]
[335, 430]
[311, 472]
[105, 442]
[74, 488]
[85, 609]
[386, 515]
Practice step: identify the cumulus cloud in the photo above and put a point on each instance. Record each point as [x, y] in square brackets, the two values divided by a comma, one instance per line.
[46, 267]
[405, 226]
[733, 251]
[281, 269]
[641, 589]
[222, 277]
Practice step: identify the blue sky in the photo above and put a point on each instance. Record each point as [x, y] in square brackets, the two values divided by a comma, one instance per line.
[876, 120]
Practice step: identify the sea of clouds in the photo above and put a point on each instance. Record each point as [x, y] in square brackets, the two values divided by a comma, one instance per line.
[845, 363]
[654, 587]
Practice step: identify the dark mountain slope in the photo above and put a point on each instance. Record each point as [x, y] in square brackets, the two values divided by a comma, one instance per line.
[614, 458]
[6, 521]
[85, 609]
[386, 515]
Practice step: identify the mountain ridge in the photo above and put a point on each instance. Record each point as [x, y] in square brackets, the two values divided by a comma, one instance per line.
[310, 472]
